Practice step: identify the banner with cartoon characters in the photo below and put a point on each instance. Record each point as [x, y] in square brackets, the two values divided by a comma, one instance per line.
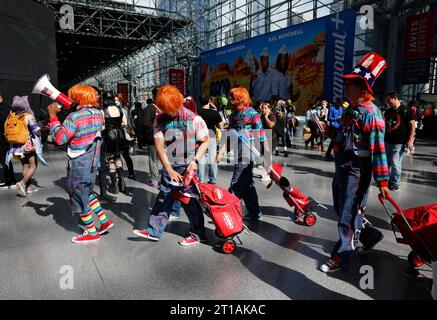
[301, 63]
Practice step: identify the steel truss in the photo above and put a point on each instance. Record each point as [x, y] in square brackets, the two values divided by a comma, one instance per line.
[127, 21]
[148, 67]
[216, 23]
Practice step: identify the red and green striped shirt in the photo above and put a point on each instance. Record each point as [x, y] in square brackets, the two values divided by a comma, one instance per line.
[370, 130]
[78, 130]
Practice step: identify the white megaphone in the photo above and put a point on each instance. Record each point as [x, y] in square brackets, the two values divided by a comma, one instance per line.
[44, 87]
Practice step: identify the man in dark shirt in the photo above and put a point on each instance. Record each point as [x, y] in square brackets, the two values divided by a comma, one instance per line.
[213, 121]
[9, 180]
[399, 136]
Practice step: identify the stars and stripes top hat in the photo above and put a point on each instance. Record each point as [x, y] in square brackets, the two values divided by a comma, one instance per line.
[369, 69]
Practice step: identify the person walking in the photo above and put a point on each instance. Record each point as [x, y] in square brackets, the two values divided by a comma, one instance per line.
[399, 136]
[114, 141]
[176, 127]
[31, 150]
[323, 119]
[334, 115]
[82, 131]
[310, 120]
[359, 152]
[138, 115]
[291, 122]
[149, 118]
[268, 120]
[279, 128]
[129, 133]
[246, 122]
[213, 121]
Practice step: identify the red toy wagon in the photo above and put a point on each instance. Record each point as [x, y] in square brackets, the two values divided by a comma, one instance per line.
[418, 227]
[303, 205]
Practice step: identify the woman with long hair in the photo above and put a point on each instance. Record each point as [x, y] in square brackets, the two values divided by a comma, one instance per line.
[114, 140]
[130, 137]
[29, 152]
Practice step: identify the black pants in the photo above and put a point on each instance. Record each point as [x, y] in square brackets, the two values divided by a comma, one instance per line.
[8, 171]
[128, 159]
[314, 134]
[103, 171]
[331, 144]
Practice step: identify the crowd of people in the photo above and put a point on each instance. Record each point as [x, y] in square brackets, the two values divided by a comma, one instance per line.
[367, 140]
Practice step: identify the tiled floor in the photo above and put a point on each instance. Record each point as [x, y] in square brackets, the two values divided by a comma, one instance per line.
[279, 262]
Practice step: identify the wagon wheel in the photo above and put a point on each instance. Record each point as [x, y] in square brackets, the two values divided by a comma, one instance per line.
[229, 246]
[310, 219]
[298, 213]
[414, 260]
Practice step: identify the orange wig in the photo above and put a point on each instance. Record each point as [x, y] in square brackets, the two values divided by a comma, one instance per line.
[169, 100]
[84, 95]
[240, 95]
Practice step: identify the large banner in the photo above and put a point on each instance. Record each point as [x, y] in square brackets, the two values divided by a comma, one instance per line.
[303, 62]
[418, 47]
[419, 35]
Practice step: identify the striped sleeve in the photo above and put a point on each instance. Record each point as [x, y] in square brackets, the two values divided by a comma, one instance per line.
[375, 126]
[62, 133]
[257, 125]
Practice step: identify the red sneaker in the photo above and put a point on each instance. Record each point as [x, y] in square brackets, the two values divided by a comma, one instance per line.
[145, 234]
[190, 241]
[105, 227]
[85, 238]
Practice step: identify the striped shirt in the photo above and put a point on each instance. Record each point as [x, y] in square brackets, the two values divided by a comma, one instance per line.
[369, 141]
[248, 120]
[78, 130]
[181, 133]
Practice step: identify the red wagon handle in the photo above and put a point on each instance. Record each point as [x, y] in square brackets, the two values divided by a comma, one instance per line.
[391, 200]
[396, 206]
[399, 210]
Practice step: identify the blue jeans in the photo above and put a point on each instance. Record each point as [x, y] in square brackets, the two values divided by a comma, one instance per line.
[165, 204]
[81, 176]
[176, 208]
[208, 159]
[350, 189]
[243, 186]
[396, 153]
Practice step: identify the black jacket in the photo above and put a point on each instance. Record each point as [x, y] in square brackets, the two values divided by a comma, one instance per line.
[149, 118]
[4, 112]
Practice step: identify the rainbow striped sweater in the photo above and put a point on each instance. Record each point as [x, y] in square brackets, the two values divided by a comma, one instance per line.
[79, 129]
[369, 127]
